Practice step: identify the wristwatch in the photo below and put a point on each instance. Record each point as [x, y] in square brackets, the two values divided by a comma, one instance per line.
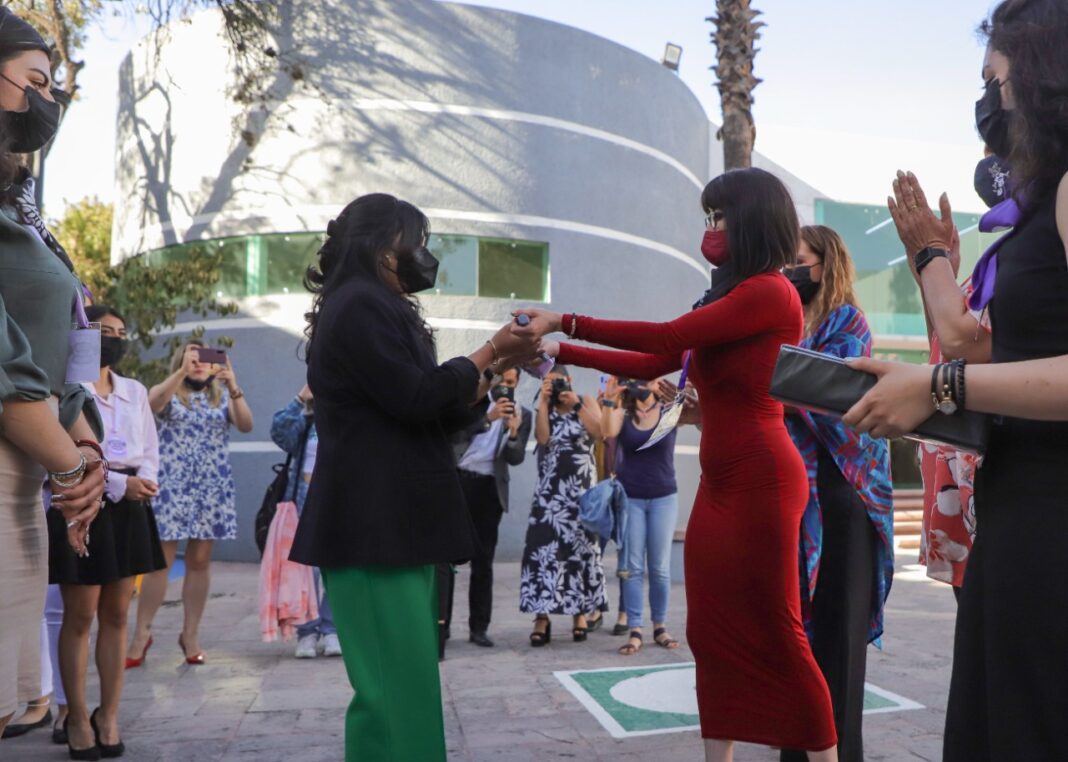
[928, 255]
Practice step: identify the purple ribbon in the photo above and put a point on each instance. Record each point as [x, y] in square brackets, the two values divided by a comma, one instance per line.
[685, 371]
[79, 312]
[1007, 214]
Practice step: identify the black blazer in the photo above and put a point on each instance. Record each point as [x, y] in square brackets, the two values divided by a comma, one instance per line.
[509, 453]
[385, 490]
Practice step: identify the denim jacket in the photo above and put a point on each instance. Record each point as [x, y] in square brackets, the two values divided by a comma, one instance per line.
[287, 427]
[603, 511]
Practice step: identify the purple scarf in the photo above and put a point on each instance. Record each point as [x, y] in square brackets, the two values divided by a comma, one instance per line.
[1007, 214]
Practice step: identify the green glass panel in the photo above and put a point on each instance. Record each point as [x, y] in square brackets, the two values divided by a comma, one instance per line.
[513, 269]
[458, 272]
[288, 258]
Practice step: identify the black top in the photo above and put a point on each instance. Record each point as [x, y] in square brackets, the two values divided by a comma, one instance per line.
[1029, 312]
[385, 489]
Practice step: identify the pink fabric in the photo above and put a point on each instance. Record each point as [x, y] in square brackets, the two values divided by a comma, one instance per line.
[287, 589]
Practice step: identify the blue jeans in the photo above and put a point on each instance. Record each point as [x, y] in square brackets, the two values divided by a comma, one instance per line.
[324, 625]
[650, 532]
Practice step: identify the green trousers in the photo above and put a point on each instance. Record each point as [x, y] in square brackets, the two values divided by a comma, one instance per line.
[386, 621]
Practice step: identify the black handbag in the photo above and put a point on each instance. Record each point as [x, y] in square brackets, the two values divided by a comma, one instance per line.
[277, 491]
[826, 384]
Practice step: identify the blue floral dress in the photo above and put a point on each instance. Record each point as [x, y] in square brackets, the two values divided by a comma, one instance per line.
[196, 481]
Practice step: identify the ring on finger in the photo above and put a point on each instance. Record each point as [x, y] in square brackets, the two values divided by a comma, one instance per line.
[72, 523]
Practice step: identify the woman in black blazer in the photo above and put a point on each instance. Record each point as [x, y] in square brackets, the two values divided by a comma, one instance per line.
[385, 502]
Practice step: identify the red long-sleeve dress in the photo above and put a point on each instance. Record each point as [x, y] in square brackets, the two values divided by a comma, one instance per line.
[756, 678]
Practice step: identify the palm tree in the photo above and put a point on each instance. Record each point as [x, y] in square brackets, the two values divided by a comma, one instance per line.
[735, 35]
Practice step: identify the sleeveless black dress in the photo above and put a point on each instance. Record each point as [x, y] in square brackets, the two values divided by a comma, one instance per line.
[1008, 696]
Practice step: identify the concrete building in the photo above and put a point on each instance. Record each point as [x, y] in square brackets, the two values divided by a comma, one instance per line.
[557, 168]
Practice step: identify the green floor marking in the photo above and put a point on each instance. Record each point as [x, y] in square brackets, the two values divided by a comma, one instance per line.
[638, 701]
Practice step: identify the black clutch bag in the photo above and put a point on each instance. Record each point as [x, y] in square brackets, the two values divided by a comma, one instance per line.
[826, 384]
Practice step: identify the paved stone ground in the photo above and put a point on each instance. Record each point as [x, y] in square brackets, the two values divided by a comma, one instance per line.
[254, 701]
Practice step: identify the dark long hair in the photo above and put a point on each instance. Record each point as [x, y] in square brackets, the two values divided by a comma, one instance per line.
[10, 163]
[1033, 35]
[763, 231]
[355, 241]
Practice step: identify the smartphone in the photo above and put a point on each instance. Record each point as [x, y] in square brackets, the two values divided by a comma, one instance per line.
[604, 384]
[212, 356]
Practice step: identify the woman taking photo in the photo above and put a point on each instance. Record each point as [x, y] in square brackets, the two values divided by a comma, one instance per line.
[756, 678]
[46, 436]
[125, 544]
[386, 504]
[1009, 692]
[847, 529]
[195, 406]
[561, 568]
[631, 413]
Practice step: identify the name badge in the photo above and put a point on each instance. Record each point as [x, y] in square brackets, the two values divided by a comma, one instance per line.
[83, 359]
[116, 448]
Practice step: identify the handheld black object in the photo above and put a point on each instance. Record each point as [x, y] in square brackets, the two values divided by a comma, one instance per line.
[826, 384]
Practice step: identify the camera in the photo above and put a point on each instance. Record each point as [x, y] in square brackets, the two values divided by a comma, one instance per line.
[560, 385]
[503, 392]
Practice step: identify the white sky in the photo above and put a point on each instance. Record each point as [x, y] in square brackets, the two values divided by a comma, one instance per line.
[852, 91]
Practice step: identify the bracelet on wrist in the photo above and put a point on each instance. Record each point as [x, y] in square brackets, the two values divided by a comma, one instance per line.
[236, 394]
[71, 478]
[608, 403]
[496, 355]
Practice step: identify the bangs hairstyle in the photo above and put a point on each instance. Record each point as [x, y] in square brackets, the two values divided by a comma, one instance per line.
[355, 242]
[836, 285]
[213, 390]
[1033, 35]
[762, 224]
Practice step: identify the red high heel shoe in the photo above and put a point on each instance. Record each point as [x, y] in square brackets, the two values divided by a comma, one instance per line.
[195, 659]
[131, 663]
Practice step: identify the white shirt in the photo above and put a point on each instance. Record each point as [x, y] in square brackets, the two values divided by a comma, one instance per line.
[482, 452]
[311, 452]
[130, 439]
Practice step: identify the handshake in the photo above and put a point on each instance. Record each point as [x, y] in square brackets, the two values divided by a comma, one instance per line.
[521, 343]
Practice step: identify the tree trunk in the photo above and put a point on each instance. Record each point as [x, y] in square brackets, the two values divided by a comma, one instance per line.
[735, 35]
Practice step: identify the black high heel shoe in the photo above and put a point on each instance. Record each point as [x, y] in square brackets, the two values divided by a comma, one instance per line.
[539, 639]
[92, 754]
[106, 751]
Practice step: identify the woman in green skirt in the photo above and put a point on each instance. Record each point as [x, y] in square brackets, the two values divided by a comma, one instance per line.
[385, 503]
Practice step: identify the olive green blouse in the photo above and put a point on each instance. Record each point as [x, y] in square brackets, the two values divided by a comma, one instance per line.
[37, 294]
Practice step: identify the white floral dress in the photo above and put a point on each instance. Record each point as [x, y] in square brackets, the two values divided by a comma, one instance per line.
[562, 571]
[196, 480]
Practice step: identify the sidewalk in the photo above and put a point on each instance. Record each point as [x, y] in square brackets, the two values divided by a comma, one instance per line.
[254, 701]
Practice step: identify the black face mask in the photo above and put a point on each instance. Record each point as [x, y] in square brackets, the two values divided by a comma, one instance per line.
[112, 350]
[991, 180]
[32, 129]
[801, 277]
[992, 120]
[195, 385]
[417, 272]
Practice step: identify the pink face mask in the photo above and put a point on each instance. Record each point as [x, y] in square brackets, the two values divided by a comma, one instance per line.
[714, 247]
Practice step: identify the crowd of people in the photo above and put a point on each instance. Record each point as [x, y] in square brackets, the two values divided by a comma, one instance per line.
[400, 465]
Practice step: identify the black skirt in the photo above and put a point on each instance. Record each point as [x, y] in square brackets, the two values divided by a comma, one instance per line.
[123, 542]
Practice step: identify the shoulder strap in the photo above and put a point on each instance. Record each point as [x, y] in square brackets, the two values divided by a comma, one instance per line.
[300, 457]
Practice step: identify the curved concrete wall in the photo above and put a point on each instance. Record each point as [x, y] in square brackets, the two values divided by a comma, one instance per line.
[496, 123]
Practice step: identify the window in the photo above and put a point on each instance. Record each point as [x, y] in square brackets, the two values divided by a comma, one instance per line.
[258, 265]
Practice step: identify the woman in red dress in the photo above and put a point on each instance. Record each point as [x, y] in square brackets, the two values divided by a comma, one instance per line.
[757, 680]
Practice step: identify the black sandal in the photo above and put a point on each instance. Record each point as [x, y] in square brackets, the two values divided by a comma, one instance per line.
[539, 639]
[593, 624]
[663, 639]
[619, 629]
[628, 648]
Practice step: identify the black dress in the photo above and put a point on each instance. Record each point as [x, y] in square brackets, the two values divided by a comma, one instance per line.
[1008, 698]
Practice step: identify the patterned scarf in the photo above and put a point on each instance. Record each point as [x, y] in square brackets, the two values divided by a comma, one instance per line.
[24, 197]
